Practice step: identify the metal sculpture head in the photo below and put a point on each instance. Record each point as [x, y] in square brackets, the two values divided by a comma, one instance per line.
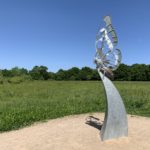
[107, 57]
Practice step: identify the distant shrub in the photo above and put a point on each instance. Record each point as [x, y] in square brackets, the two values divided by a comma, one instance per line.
[15, 80]
[26, 78]
[19, 79]
[1, 80]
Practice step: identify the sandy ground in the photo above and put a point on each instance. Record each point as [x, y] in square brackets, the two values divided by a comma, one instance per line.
[72, 133]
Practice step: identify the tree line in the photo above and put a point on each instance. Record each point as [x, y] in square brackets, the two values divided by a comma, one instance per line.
[135, 72]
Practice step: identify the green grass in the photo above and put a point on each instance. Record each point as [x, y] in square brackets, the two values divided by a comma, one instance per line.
[28, 102]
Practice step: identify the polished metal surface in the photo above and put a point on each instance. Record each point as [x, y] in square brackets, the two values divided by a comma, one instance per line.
[108, 59]
[115, 123]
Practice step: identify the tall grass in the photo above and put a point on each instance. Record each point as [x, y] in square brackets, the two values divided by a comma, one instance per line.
[28, 102]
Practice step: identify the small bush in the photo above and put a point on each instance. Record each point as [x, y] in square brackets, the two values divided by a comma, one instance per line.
[15, 80]
[1, 81]
[19, 79]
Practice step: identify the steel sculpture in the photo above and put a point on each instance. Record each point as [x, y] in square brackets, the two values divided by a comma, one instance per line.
[107, 59]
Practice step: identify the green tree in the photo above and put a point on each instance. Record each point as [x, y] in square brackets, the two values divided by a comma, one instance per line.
[148, 72]
[51, 75]
[61, 75]
[95, 75]
[86, 73]
[73, 74]
[139, 72]
[122, 73]
[18, 71]
[39, 73]
[7, 73]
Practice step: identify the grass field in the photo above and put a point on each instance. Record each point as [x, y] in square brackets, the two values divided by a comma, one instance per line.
[28, 102]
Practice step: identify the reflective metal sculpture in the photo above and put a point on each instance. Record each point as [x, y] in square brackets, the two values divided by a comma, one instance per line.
[107, 59]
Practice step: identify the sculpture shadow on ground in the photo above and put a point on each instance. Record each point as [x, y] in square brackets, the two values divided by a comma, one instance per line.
[94, 122]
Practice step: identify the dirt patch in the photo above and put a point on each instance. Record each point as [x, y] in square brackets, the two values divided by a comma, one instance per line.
[72, 133]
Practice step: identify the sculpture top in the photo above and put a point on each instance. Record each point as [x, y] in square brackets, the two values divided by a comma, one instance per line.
[107, 57]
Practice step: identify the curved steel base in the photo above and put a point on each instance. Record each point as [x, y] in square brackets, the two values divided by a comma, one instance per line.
[115, 122]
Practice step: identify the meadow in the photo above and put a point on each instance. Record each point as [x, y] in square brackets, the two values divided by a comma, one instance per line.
[25, 103]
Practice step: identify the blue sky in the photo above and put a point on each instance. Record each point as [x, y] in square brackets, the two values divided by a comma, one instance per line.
[61, 33]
